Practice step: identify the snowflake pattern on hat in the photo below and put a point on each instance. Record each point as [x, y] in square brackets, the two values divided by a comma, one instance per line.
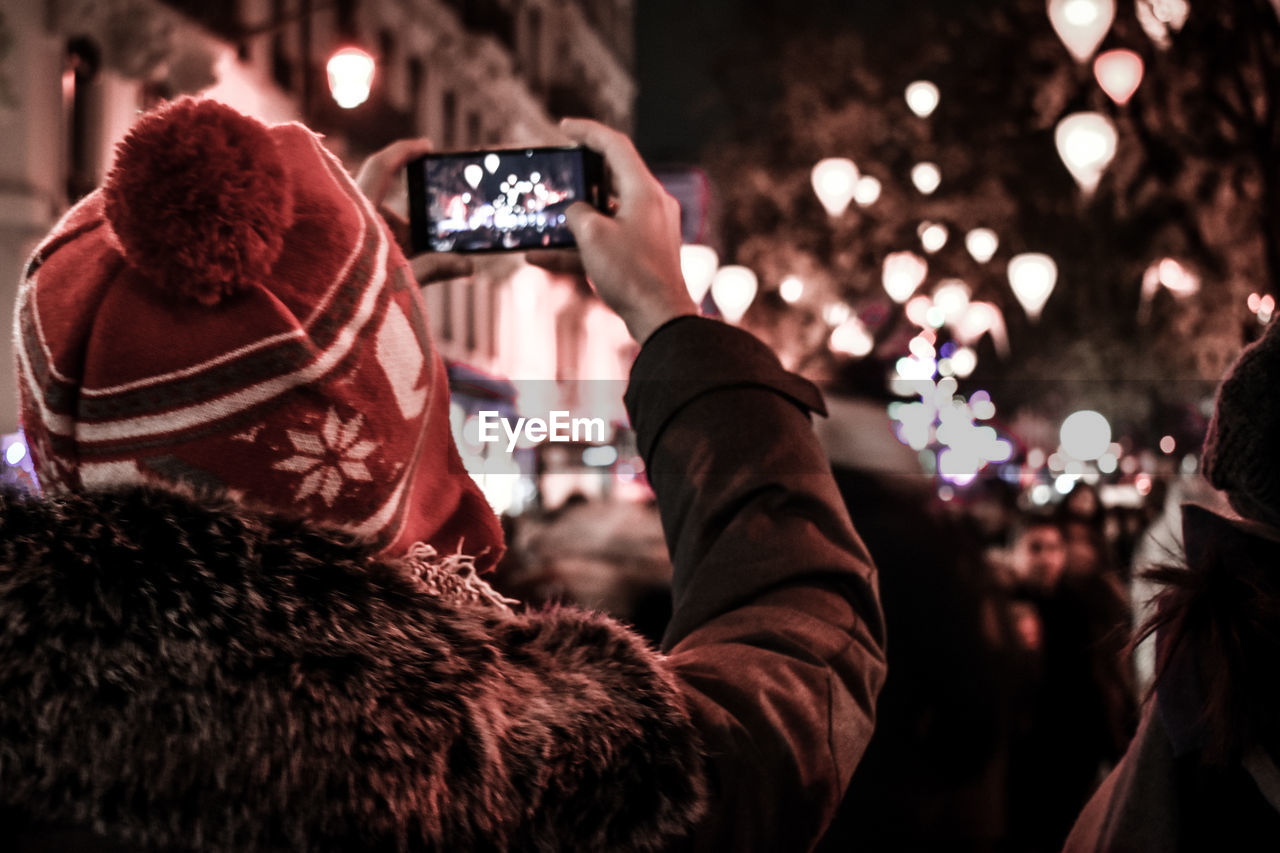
[328, 457]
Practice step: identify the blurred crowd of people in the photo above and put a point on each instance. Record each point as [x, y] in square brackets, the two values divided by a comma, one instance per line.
[1014, 687]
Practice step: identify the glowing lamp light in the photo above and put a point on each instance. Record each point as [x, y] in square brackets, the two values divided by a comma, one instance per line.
[15, 453]
[927, 177]
[932, 236]
[835, 179]
[922, 98]
[1176, 278]
[982, 244]
[1032, 276]
[902, 273]
[1170, 275]
[918, 310]
[1087, 144]
[835, 313]
[733, 288]
[982, 318]
[1119, 73]
[350, 77]
[963, 362]
[791, 289]
[852, 338]
[1085, 435]
[698, 263]
[1161, 18]
[1081, 24]
[951, 298]
[867, 190]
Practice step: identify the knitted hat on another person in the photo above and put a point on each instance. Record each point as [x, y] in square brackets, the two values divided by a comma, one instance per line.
[1242, 447]
[229, 312]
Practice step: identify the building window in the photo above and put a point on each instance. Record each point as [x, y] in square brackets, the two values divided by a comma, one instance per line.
[281, 66]
[446, 310]
[533, 46]
[469, 313]
[493, 319]
[416, 74]
[449, 118]
[83, 58]
[345, 18]
[474, 132]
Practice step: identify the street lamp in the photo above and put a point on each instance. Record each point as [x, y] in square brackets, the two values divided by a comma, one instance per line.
[835, 181]
[1087, 145]
[350, 76]
[1032, 275]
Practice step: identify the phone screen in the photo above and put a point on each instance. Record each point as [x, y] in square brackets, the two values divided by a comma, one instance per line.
[505, 200]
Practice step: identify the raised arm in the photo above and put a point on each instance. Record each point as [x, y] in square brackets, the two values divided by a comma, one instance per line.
[777, 638]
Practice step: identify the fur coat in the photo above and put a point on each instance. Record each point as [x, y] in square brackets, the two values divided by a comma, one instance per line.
[179, 673]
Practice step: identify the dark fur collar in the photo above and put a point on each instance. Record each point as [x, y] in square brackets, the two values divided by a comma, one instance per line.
[179, 674]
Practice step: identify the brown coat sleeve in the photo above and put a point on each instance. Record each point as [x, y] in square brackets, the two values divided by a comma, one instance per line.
[777, 636]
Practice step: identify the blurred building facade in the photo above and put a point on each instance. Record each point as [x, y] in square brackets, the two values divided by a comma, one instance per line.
[74, 74]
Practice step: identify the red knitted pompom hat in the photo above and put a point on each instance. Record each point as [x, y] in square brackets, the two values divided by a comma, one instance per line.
[229, 312]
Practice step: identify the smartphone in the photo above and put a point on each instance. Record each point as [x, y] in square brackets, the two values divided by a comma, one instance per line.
[501, 200]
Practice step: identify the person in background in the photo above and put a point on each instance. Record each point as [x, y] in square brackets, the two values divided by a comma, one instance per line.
[246, 612]
[1201, 772]
[1076, 700]
[934, 775]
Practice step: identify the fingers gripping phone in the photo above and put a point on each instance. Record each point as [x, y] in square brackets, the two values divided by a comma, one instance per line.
[501, 200]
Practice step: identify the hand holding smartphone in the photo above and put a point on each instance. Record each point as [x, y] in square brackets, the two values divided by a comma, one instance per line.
[501, 200]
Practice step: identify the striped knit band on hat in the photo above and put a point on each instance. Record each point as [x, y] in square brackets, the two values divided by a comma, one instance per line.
[229, 312]
[1242, 446]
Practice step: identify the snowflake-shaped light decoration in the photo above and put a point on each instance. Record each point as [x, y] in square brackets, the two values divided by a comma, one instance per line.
[946, 428]
[328, 457]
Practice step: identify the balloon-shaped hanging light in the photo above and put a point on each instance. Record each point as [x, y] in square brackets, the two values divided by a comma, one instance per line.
[791, 289]
[1081, 24]
[982, 318]
[933, 236]
[982, 244]
[733, 289]
[835, 180]
[867, 190]
[1032, 276]
[922, 98]
[698, 263]
[951, 296]
[927, 177]
[1087, 144]
[902, 273]
[1119, 73]
[852, 338]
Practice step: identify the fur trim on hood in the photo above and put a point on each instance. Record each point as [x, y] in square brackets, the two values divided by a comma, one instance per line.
[184, 674]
